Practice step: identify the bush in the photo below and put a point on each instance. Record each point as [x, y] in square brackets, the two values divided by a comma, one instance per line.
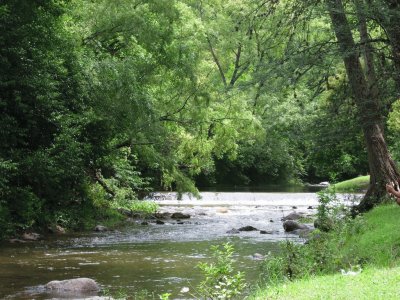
[221, 281]
[323, 252]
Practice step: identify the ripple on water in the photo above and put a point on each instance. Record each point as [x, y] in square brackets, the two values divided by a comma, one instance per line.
[158, 258]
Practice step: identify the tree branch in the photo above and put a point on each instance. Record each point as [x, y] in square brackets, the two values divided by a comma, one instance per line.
[130, 143]
[99, 178]
[215, 58]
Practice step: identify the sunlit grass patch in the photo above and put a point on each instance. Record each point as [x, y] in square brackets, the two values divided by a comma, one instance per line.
[354, 185]
[371, 283]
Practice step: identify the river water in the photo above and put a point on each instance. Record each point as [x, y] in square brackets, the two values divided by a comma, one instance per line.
[156, 258]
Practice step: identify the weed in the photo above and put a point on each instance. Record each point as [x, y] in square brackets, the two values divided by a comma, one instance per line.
[221, 281]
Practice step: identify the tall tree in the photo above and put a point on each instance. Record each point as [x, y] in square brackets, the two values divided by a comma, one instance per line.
[388, 11]
[382, 168]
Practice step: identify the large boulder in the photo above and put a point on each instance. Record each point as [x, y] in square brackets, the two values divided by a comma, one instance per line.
[291, 225]
[76, 285]
[292, 216]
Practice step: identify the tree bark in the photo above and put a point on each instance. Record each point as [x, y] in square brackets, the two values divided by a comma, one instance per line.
[97, 177]
[388, 14]
[393, 32]
[382, 168]
[367, 50]
[394, 38]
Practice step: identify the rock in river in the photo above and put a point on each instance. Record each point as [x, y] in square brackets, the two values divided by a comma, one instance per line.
[247, 228]
[257, 256]
[222, 210]
[15, 241]
[291, 225]
[233, 231]
[266, 232]
[163, 215]
[30, 236]
[292, 216]
[100, 228]
[79, 285]
[179, 215]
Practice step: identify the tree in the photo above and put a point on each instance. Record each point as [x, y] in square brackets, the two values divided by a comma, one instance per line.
[388, 14]
[382, 168]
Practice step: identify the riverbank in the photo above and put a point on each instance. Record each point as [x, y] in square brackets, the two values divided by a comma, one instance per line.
[364, 262]
[354, 185]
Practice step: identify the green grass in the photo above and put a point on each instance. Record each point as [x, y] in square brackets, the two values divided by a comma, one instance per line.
[143, 206]
[358, 184]
[371, 283]
[306, 220]
[379, 242]
[374, 243]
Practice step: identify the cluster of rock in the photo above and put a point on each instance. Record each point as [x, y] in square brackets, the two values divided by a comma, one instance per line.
[291, 224]
[247, 228]
[33, 236]
[26, 237]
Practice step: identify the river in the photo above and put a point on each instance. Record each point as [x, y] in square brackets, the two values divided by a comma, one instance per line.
[156, 258]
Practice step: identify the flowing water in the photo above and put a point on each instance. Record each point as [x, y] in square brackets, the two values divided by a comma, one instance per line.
[152, 257]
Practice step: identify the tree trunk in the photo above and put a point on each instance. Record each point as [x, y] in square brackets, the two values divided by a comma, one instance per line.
[367, 51]
[388, 14]
[394, 37]
[393, 32]
[97, 177]
[381, 165]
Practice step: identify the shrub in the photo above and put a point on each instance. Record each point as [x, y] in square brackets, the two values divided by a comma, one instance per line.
[221, 281]
[322, 253]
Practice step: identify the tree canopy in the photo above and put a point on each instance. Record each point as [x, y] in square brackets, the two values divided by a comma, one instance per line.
[112, 99]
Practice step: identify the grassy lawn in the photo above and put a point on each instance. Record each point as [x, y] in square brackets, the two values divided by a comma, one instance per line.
[379, 243]
[376, 245]
[369, 284]
[358, 184]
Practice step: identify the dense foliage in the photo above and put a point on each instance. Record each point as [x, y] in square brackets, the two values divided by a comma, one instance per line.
[103, 101]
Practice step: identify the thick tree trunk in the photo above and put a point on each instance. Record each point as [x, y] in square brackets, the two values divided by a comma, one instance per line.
[382, 167]
[367, 51]
[393, 32]
[388, 14]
